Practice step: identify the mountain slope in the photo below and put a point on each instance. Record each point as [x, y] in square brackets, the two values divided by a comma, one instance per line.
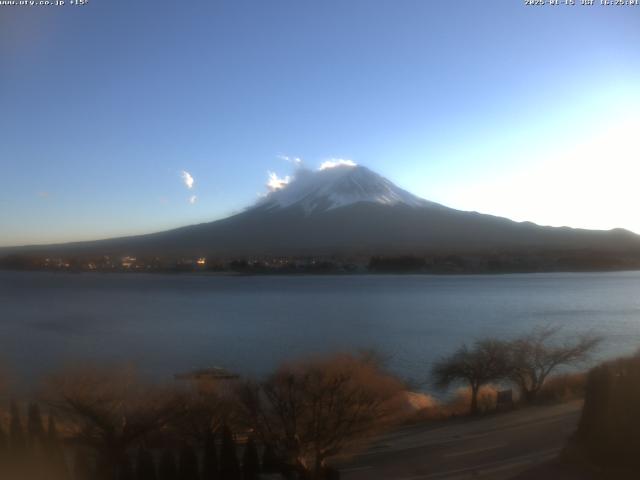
[344, 211]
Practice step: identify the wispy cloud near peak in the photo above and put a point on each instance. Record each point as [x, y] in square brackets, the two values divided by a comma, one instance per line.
[297, 161]
[188, 179]
[276, 183]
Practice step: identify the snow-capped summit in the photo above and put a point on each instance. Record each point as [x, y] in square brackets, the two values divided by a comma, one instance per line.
[337, 186]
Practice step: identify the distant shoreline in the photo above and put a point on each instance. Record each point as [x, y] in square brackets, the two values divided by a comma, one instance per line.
[433, 262]
[318, 274]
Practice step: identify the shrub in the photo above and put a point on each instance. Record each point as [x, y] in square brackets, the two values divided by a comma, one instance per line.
[310, 411]
[562, 388]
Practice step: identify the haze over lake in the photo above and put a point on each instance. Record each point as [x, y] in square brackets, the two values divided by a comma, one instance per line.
[165, 324]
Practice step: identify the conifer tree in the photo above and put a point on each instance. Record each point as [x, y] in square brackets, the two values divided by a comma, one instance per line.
[145, 467]
[229, 468]
[52, 437]
[188, 464]
[250, 461]
[270, 461]
[54, 451]
[167, 469]
[82, 465]
[16, 432]
[210, 460]
[35, 426]
[125, 470]
[331, 473]
[4, 451]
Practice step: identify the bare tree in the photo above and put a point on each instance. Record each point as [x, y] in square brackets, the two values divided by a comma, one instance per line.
[207, 406]
[534, 356]
[110, 411]
[485, 362]
[313, 410]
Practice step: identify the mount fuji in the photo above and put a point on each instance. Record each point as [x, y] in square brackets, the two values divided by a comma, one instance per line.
[336, 187]
[349, 210]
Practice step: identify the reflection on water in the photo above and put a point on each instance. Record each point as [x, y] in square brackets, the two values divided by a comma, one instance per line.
[170, 323]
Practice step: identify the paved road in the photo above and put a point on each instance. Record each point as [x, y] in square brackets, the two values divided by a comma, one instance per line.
[497, 447]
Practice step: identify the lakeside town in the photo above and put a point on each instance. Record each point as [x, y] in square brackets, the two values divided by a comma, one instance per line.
[532, 260]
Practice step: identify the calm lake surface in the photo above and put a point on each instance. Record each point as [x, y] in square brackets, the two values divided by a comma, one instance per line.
[166, 324]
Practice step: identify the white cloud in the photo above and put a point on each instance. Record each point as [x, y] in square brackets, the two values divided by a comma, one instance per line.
[297, 161]
[192, 199]
[188, 179]
[337, 162]
[276, 183]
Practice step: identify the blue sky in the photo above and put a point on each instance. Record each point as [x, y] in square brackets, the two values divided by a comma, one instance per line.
[527, 112]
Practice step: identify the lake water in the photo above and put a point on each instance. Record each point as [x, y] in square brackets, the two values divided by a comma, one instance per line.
[171, 323]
